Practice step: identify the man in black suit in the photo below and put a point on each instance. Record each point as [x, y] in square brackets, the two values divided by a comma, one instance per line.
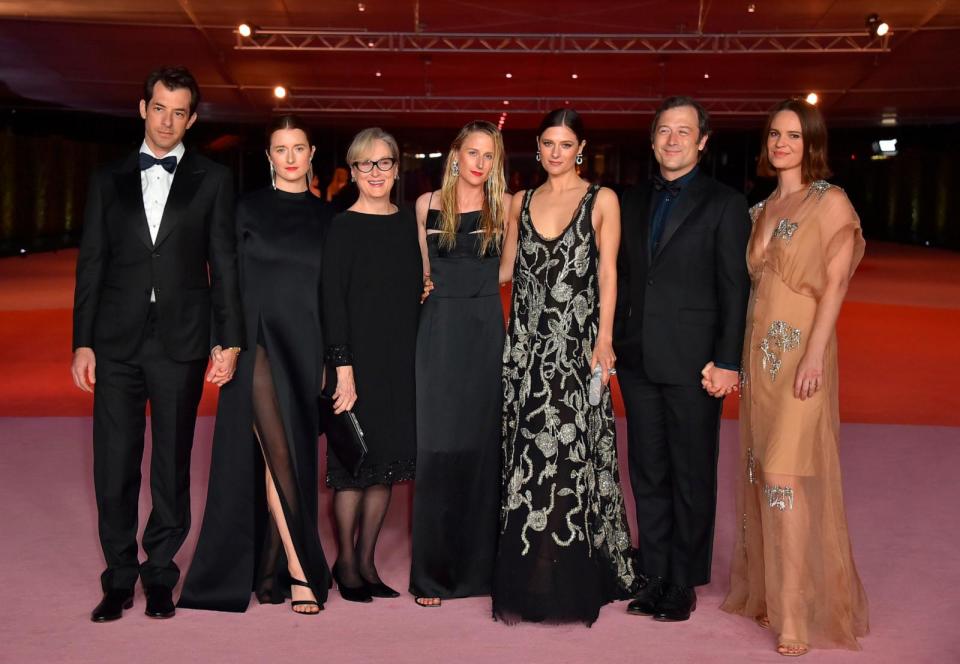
[681, 308]
[157, 268]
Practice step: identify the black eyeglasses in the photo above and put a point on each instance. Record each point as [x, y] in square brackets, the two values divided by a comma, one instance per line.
[383, 165]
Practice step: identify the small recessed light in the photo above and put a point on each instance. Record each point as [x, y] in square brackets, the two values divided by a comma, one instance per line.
[509, 75]
[361, 7]
[574, 76]
[244, 30]
[751, 8]
[813, 98]
[378, 74]
[706, 75]
[279, 92]
[506, 102]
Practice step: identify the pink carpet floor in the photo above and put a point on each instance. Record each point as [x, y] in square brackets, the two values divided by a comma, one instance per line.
[902, 497]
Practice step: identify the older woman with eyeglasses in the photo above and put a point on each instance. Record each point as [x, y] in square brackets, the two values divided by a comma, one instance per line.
[372, 281]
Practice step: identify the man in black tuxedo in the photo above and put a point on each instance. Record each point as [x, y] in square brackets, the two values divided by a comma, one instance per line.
[157, 268]
[681, 309]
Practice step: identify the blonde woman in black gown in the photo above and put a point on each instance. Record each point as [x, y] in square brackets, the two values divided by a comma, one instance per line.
[459, 345]
[564, 547]
[262, 535]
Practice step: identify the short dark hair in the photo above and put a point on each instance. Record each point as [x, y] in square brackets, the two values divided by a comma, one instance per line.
[288, 121]
[563, 117]
[813, 130]
[703, 118]
[173, 78]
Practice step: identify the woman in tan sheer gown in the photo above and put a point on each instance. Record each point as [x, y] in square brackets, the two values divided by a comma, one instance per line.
[793, 569]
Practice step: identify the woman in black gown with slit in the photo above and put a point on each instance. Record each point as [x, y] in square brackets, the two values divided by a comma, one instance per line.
[456, 500]
[259, 529]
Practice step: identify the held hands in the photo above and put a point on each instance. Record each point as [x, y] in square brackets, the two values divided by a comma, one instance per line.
[719, 382]
[346, 393]
[427, 287]
[604, 356]
[809, 376]
[223, 365]
[84, 368]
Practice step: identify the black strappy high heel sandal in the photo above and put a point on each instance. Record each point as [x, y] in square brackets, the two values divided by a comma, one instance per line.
[304, 602]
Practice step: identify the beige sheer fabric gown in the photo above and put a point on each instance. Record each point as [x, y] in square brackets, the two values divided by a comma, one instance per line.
[793, 561]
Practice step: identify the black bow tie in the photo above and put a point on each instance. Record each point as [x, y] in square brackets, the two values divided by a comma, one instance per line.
[660, 183]
[168, 163]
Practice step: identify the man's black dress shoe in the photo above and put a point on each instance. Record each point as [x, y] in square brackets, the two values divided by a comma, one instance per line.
[677, 604]
[112, 605]
[647, 600]
[159, 602]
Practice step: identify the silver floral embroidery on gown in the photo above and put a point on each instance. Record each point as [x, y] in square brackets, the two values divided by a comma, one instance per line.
[560, 473]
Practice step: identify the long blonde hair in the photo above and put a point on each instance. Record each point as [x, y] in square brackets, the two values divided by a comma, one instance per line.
[492, 215]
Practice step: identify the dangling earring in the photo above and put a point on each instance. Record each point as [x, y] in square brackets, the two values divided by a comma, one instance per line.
[579, 158]
[455, 169]
[273, 176]
[309, 177]
[538, 155]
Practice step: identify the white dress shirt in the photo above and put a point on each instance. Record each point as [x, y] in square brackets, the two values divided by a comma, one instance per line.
[156, 182]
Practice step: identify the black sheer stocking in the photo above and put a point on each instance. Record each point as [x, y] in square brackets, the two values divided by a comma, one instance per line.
[376, 500]
[346, 512]
[363, 510]
[283, 495]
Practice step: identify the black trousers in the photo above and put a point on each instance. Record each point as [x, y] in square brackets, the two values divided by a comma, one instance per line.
[673, 440]
[122, 391]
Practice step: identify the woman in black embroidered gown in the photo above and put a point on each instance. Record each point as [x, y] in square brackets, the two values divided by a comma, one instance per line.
[459, 345]
[269, 412]
[372, 281]
[564, 547]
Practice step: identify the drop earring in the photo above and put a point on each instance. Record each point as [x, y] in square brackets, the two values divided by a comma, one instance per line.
[455, 169]
[579, 159]
[538, 155]
[273, 176]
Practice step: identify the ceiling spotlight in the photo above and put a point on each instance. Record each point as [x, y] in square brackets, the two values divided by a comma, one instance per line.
[876, 27]
[279, 92]
[378, 74]
[506, 102]
[812, 98]
[509, 75]
[574, 76]
[751, 8]
[706, 75]
[244, 30]
[370, 44]
[361, 7]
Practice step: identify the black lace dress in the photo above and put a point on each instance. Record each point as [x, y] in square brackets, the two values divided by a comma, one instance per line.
[564, 547]
[372, 280]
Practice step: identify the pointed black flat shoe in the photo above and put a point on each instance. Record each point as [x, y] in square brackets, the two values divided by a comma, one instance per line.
[380, 589]
[112, 605]
[354, 593]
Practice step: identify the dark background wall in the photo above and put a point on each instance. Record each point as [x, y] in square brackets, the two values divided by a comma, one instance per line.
[46, 157]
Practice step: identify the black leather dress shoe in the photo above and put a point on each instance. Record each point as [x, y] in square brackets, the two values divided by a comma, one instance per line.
[380, 589]
[112, 605]
[647, 600]
[159, 602]
[677, 604]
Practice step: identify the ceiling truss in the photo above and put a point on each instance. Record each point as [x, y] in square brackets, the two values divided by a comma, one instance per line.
[304, 103]
[415, 42]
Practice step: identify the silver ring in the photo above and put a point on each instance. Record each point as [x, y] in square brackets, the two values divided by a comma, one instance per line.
[612, 371]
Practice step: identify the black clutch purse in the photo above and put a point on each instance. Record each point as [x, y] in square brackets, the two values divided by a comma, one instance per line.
[344, 435]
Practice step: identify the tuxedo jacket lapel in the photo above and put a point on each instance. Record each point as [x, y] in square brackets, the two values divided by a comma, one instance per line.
[186, 181]
[688, 200]
[130, 193]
